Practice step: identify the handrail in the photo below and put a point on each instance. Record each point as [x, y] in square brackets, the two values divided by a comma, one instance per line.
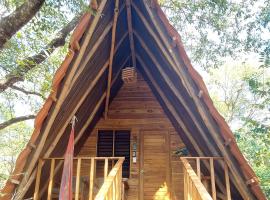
[112, 186]
[193, 187]
[210, 162]
[55, 167]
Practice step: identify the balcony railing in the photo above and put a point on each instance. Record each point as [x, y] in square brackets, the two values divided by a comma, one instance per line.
[195, 183]
[111, 188]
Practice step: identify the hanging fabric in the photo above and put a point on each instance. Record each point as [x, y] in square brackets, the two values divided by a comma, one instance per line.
[66, 181]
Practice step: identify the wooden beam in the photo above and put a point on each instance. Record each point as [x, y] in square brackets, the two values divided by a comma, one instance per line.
[130, 32]
[106, 165]
[89, 120]
[22, 189]
[49, 196]
[204, 112]
[193, 187]
[177, 93]
[95, 47]
[115, 17]
[176, 116]
[91, 178]
[213, 184]
[77, 189]
[169, 82]
[36, 194]
[171, 61]
[170, 107]
[227, 181]
[198, 164]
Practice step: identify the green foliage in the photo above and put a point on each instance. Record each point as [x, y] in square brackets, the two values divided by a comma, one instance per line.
[217, 32]
[12, 140]
[30, 40]
[213, 30]
[241, 92]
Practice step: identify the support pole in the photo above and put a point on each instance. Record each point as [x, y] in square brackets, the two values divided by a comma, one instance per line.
[115, 17]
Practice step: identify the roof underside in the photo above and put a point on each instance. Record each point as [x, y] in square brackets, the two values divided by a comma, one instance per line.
[163, 67]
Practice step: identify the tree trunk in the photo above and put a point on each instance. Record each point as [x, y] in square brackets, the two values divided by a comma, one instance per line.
[16, 120]
[10, 24]
[31, 62]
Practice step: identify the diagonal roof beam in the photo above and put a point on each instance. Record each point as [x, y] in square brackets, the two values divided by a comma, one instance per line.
[115, 17]
[169, 83]
[204, 112]
[130, 31]
[35, 156]
[87, 123]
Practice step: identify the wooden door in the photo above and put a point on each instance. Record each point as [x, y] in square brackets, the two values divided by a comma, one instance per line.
[154, 167]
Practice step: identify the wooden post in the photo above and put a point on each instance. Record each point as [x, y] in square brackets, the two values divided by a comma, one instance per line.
[227, 181]
[95, 109]
[49, 196]
[116, 12]
[24, 187]
[123, 191]
[167, 79]
[36, 194]
[105, 169]
[91, 178]
[198, 167]
[204, 111]
[213, 185]
[130, 32]
[77, 190]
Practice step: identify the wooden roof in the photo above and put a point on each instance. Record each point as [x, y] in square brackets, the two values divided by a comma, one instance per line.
[80, 88]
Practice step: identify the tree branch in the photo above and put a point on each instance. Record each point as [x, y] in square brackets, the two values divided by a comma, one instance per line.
[15, 120]
[31, 62]
[10, 24]
[27, 92]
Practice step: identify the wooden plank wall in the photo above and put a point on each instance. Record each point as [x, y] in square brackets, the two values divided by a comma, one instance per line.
[136, 109]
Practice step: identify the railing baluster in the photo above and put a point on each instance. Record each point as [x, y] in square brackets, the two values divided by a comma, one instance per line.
[91, 178]
[105, 168]
[113, 189]
[114, 192]
[198, 167]
[193, 187]
[36, 194]
[122, 191]
[212, 174]
[227, 181]
[77, 191]
[108, 190]
[49, 196]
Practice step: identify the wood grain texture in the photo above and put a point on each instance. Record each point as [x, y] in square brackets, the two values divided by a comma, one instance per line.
[135, 108]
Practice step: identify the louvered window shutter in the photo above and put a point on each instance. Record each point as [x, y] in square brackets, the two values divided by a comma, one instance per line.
[122, 149]
[115, 144]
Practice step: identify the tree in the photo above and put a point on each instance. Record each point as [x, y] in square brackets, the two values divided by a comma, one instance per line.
[10, 24]
[242, 94]
[27, 65]
[212, 31]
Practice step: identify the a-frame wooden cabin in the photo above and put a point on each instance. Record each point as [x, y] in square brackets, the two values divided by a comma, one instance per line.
[162, 108]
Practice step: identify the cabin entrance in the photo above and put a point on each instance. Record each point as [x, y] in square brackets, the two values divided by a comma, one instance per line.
[154, 168]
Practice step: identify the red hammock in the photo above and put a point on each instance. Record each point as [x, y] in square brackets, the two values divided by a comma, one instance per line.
[66, 181]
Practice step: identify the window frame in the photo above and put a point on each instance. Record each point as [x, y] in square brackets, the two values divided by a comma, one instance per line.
[130, 143]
